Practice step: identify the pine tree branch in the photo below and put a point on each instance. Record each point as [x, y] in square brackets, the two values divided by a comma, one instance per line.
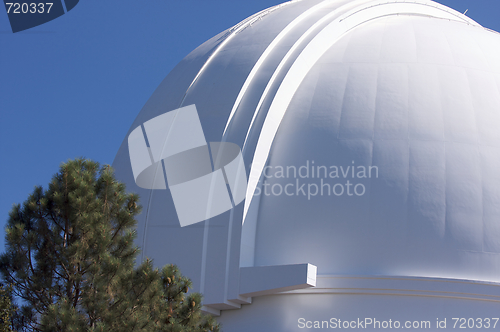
[54, 220]
[29, 259]
[77, 291]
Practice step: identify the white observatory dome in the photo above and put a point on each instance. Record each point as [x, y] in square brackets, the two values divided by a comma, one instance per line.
[370, 135]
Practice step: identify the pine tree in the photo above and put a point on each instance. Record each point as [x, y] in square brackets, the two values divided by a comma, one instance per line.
[71, 258]
[6, 309]
[182, 313]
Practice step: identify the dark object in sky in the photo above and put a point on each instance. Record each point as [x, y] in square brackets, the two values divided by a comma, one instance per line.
[24, 15]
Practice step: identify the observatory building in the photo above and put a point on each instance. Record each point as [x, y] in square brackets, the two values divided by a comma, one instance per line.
[361, 180]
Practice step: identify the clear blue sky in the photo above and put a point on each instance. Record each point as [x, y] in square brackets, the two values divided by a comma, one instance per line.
[73, 86]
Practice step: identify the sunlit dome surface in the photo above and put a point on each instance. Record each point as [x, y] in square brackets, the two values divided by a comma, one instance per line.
[407, 89]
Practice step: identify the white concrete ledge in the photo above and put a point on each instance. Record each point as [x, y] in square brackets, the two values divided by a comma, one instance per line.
[405, 286]
[266, 280]
[210, 311]
[226, 305]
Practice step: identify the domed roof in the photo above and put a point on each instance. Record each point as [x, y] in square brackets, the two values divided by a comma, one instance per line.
[369, 131]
